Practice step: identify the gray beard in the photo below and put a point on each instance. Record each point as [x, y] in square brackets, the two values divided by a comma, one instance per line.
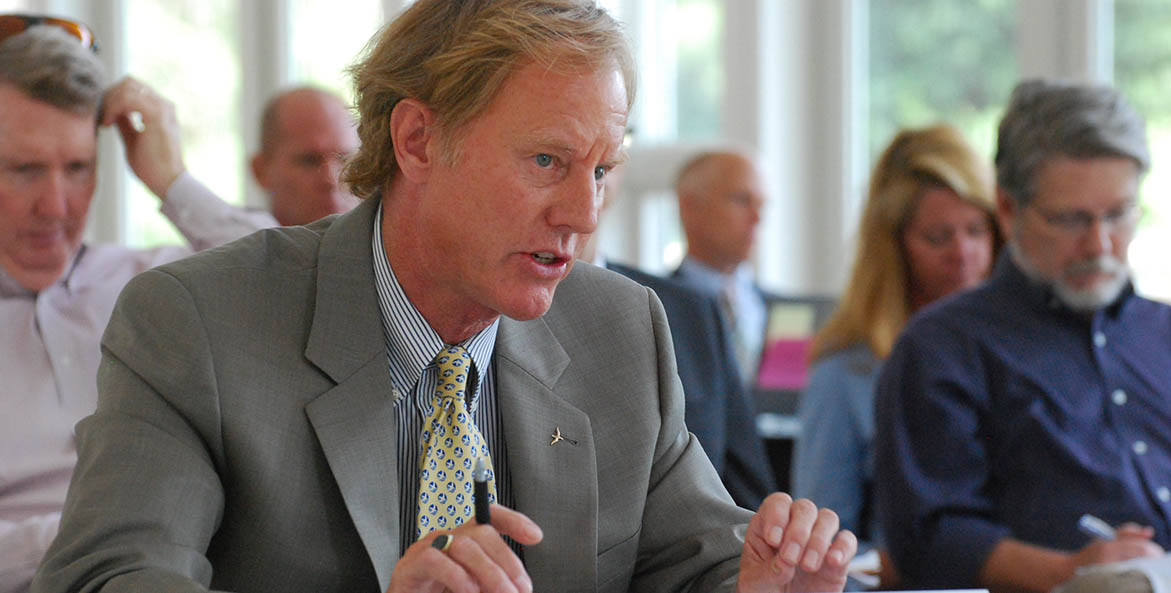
[1085, 300]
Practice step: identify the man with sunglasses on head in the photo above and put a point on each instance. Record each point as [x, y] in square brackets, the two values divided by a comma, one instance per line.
[56, 292]
[1007, 413]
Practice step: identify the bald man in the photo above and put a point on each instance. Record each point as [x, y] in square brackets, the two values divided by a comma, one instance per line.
[721, 195]
[716, 405]
[306, 135]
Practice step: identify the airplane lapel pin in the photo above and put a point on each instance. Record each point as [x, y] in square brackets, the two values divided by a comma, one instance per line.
[558, 437]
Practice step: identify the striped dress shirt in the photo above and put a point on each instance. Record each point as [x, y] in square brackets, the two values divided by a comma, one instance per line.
[411, 344]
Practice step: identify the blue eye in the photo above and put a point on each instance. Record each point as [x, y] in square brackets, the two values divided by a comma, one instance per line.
[599, 173]
[544, 160]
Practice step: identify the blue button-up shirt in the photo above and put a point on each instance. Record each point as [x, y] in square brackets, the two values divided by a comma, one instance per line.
[1001, 413]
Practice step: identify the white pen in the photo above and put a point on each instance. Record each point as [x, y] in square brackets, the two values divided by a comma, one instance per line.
[1093, 526]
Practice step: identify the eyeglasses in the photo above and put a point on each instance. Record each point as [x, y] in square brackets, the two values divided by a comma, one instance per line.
[15, 24]
[1076, 223]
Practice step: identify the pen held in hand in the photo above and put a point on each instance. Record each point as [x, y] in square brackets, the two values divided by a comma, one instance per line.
[1095, 527]
[480, 493]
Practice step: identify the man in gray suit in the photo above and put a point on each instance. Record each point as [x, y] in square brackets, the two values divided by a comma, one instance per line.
[258, 427]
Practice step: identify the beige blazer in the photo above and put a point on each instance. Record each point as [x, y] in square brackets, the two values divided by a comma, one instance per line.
[244, 438]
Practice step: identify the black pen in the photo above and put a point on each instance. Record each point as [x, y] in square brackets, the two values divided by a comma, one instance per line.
[480, 494]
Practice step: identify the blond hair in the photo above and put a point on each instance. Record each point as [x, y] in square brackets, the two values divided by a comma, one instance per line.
[455, 56]
[877, 304]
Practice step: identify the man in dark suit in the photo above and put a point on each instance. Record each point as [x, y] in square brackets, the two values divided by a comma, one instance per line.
[721, 195]
[717, 409]
[266, 410]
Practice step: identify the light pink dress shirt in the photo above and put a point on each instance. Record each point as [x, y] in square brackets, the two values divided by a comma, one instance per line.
[49, 355]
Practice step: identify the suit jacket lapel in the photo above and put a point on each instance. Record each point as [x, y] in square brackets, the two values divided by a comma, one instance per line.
[555, 484]
[354, 421]
[355, 426]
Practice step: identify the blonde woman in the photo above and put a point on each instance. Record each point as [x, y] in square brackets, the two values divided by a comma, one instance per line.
[927, 231]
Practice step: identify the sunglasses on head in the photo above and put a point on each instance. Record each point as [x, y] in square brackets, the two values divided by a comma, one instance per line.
[15, 24]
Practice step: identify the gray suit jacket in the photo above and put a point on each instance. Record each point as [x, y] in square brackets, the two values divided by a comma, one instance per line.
[244, 437]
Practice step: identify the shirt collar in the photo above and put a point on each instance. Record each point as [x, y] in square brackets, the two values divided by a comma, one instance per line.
[715, 281]
[9, 287]
[411, 342]
[704, 275]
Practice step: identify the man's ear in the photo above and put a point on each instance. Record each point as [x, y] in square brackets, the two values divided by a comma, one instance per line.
[1006, 212]
[412, 130]
[259, 166]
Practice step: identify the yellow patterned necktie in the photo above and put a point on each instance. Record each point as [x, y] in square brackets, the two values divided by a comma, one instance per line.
[451, 445]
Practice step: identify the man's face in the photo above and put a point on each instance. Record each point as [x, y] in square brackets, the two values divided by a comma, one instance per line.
[723, 214]
[504, 218]
[1075, 232]
[47, 178]
[314, 137]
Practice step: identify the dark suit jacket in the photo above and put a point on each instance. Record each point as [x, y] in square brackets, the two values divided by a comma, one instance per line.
[245, 435]
[718, 410]
[780, 401]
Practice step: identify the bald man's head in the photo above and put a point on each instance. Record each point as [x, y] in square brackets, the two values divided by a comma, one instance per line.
[306, 135]
[720, 199]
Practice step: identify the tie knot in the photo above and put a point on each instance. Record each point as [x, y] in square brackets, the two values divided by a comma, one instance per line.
[454, 366]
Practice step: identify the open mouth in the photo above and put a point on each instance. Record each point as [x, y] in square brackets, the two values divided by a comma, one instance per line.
[546, 258]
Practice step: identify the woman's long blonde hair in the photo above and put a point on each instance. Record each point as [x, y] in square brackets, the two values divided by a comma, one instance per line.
[876, 303]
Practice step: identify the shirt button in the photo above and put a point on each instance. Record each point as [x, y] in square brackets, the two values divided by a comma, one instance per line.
[1164, 494]
[1139, 447]
[1099, 339]
[1119, 397]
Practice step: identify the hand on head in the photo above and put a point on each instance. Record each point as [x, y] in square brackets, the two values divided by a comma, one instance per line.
[477, 558]
[794, 546]
[153, 144]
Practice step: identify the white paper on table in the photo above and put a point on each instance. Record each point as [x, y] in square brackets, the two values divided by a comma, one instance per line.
[1157, 569]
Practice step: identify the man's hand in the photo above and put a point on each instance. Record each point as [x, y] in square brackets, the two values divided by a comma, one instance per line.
[1130, 541]
[794, 546]
[478, 559]
[152, 149]
[1019, 566]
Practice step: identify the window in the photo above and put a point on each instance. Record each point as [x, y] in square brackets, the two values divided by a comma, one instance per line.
[699, 82]
[186, 50]
[327, 37]
[681, 100]
[1142, 70]
[206, 87]
[940, 61]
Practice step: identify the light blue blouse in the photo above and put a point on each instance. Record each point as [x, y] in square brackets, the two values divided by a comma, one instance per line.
[834, 459]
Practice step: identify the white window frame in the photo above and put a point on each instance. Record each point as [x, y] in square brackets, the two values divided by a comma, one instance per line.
[796, 92]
